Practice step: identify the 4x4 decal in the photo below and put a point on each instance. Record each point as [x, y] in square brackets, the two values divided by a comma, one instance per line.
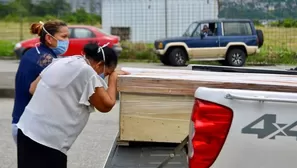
[271, 129]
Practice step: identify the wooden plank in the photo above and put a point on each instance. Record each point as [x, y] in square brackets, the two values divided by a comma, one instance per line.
[185, 82]
[154, 118]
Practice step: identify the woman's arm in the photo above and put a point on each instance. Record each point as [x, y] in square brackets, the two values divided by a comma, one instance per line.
[34, 85]
[104, 100]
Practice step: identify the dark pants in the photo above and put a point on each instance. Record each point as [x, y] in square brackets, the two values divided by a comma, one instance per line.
[34, 155]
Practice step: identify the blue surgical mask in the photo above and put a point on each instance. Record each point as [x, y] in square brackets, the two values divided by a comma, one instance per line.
[102, 76]
[62, 47]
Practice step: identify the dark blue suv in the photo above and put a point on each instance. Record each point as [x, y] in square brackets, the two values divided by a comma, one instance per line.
[229, 41]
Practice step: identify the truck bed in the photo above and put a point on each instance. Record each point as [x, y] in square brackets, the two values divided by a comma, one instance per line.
[151, 155]
[144, 155]
[213, 68]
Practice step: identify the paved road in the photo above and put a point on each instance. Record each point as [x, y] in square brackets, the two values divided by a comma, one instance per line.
[9, 67]
[89, 151]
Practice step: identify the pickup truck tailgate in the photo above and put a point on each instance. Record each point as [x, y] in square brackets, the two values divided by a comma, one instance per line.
[263, 133]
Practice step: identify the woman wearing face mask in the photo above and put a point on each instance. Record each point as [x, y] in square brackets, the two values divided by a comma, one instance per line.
[63, 96]
[53, 42]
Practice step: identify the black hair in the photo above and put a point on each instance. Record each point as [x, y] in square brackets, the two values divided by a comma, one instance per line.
[91, 51]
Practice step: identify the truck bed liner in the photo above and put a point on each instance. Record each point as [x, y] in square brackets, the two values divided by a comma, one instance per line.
[144, 155]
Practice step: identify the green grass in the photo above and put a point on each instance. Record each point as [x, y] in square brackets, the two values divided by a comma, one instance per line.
[11, 31]
[280, 45]
[6, 48]
[280, 38]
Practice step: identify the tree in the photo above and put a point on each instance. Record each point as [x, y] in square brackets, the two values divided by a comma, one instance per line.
[18, 7]
[258, 9]
[51, 7]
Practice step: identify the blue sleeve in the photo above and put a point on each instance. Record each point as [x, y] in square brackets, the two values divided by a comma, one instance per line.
[31, 65]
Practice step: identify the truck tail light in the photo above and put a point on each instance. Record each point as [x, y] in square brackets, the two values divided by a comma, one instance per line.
[209, 127]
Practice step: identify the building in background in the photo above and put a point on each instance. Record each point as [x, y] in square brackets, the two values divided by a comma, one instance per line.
[148, 20]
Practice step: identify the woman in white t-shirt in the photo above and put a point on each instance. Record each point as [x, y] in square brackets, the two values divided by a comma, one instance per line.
[64, 95]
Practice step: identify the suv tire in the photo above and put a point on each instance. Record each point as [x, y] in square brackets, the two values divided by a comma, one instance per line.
[177, 57]
[236, 57]
[260, 38]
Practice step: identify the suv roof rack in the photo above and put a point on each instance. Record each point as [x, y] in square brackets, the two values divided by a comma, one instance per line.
[242, 70]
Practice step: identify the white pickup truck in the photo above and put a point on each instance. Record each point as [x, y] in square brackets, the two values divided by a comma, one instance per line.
[229, 128]
[243, 129]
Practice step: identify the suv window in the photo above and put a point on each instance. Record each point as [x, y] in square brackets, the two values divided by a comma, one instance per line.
[237, 28]
[82, 33]
[210, 29]
[190, 29]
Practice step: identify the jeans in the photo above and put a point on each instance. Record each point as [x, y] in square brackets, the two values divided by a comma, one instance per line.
[14, 130]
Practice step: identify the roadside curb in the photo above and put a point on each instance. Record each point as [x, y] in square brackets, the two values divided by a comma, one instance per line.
[8, 58]
[9, 93]
[260, 64]
[6, 93]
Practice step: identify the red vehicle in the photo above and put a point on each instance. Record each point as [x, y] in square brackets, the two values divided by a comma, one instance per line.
[79, 36]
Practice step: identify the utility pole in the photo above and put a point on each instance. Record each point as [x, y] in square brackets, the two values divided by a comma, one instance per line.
[166, 19]
[219, 5]
[20, 10]
[92, 9]
[99, 8]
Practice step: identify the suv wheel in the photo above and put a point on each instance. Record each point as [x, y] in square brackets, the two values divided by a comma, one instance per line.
[178, 57]
[236, 57]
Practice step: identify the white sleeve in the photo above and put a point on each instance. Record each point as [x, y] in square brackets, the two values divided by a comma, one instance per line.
[89, 89]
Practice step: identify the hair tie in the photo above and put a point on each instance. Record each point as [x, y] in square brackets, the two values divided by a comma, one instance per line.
[101, 49]
[41, 27]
